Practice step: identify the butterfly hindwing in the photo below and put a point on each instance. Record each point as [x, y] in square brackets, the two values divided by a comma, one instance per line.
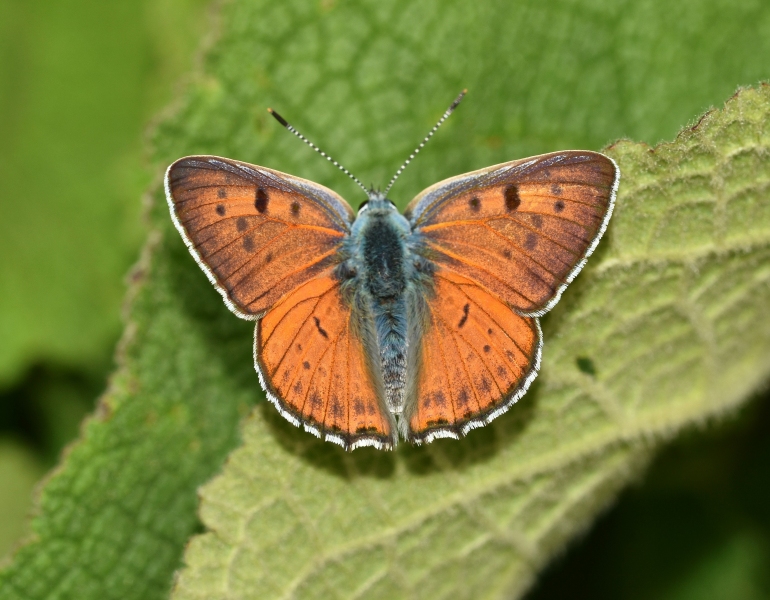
[310, 354]
[477, 358]
[257, 233]
[521, 229]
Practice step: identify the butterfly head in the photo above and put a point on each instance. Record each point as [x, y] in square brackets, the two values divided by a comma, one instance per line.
[376, 202]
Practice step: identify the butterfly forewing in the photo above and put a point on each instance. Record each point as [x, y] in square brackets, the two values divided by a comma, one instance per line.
[257, 233]
[521, 229]
[311, 357]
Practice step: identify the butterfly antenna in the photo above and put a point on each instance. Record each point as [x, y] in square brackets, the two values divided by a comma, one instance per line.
[443, 118]
[291, 128]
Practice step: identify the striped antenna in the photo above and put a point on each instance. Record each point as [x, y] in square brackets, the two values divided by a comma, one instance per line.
[285, 123]
[443, 118]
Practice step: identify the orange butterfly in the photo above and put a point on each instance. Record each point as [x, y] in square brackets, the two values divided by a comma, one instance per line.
[423, 325]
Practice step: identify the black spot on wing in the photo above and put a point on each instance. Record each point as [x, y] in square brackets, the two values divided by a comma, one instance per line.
[248, 243]
[221, 193]
[531, 241]
[315, 401]
[464, 318]
[558, 206]
[462, 398]
[295, 206]
[305, 365]
[241, 224]
[474, 204]
[260, 200]
[320, 329]
[336, 408]
[221, 210]
[512, 199]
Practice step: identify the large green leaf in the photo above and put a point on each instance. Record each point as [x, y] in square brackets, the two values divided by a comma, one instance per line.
[669, 326]
[19, 470]
[697, 528]
[660, 331]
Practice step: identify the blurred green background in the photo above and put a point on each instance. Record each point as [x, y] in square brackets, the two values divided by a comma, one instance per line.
[81, 81]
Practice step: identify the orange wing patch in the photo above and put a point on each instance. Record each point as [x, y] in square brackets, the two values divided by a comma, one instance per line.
[312, 364]
[523, 229]
[257, 233]
[478, 358]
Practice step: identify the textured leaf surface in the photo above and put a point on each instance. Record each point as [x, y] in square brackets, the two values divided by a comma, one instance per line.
[671, 319]
[19, 471]
[470, 518]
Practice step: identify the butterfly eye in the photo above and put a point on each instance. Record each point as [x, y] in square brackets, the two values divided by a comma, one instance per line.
[364, 205]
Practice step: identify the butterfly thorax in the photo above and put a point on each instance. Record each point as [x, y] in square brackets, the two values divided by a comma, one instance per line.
[380, 260]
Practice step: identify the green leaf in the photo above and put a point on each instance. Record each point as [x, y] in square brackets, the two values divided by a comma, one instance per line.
[631, 352]
[670, 318]
[697, 528]
[19, 470]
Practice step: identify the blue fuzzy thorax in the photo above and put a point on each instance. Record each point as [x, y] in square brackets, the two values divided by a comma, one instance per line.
[379, 274]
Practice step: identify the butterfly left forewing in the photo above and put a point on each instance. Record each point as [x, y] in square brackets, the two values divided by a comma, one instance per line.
[521, 229]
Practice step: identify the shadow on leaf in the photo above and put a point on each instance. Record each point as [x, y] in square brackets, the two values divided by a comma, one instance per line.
[479, 446]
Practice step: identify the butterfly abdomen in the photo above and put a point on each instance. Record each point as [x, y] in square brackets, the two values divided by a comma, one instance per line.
[381, 256]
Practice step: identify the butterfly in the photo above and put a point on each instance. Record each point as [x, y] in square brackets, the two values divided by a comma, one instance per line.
[376, 326]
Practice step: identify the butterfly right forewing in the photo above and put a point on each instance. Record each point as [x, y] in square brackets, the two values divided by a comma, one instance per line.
[257, 233]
